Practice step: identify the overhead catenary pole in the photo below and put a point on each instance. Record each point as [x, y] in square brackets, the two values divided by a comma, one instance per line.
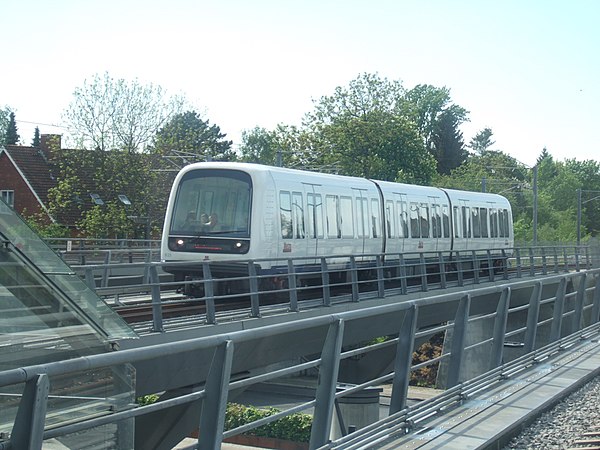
[535, 204]
[578, 216]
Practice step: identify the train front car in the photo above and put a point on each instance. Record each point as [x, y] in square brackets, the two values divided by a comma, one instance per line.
[209, 218]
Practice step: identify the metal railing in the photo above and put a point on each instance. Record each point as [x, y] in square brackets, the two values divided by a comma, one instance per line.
[323, 280]
[547, 315]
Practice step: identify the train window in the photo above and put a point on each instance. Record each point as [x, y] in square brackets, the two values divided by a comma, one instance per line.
[446, 220]
[484, 222]
[403, 216]
[466, 221]
[346, 224]
[315, 215]
[285, 213]
[331, 213]
[476, 222]
[298, 215]
[362, 217]
[375, 218]
[415, 227]
[503, 220]
[457, 222]
[493, 223]
[436, 221]
[425, 220]
[390, 225]
[213, 201]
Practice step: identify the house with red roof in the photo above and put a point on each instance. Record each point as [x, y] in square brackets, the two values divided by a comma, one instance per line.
[26, 175]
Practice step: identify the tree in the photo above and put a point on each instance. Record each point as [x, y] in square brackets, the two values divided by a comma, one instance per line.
[365, 129]
[36, 138]
[187, 136]
[106, 114]
[259, 146]
[12, 136]
[438, 121]
[482, 141]
[4, 121]
[448, 147]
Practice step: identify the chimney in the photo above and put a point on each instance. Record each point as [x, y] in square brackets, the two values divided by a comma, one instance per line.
[49, 143]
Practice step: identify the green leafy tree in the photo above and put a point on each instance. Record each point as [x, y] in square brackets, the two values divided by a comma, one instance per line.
[259, 146]
[12, 136]
[108, 113]
[187, 137]
[438, 120]
[364, 129]
[482, 141]
[4, 121]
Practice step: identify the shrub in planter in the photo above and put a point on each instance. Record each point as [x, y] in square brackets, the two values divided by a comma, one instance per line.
[295, 427]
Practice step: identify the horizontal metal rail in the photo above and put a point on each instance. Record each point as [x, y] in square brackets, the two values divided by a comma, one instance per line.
[577, 313]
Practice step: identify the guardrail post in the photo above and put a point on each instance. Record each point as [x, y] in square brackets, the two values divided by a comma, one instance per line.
[105, 269]
[596, 303]
[157, 318]
[380, 276]
[214, 404]
[578, 313]
[500, 329]
[565, 259]
[403, 361]
[209, 294]
[459, 334]
[89, 278]
[533, 314]
[577, 268]
[459, 268]
[544, 261]
[147, 261]
[423, 270]
[491, 275]
[588, 260]
[531, 262]
[442, 270]
[28, 430]
[354, 279]
[327, 384]
[325, 282]
[504, 265]
[403, 282]
[559, 306]
[519, 263]
[555, 259]
[292, 286]
[254, 300]
[475, 268]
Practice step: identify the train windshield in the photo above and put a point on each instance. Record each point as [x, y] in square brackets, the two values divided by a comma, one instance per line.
[213, 202]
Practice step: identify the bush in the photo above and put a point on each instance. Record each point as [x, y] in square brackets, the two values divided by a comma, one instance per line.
[295, 427]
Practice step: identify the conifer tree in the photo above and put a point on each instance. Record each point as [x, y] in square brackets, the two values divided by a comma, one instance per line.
[36, 138]
[11, 137]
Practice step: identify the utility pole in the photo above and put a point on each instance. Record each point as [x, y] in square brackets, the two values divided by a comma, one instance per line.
[578, 216]
[535, 205]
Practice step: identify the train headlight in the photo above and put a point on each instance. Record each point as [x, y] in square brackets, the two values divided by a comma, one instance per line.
[180, 242]
[238, 245]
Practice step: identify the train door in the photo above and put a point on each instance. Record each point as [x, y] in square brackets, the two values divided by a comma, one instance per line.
[465, 224]
[314, 219]
[402, 220]
[435, 209]
[362, 220]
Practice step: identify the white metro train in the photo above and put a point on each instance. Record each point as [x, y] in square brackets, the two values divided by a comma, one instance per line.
[226, 213]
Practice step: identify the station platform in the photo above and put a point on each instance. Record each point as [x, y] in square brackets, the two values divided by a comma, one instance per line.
[490, 419]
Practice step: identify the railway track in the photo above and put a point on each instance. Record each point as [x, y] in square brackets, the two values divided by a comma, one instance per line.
[589, 440]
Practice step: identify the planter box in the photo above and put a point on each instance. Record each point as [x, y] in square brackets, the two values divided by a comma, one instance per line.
[266, 442]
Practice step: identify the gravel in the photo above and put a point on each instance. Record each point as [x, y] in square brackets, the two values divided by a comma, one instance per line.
[559, 427]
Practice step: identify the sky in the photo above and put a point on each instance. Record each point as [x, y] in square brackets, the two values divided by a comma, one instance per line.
[527, 69]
